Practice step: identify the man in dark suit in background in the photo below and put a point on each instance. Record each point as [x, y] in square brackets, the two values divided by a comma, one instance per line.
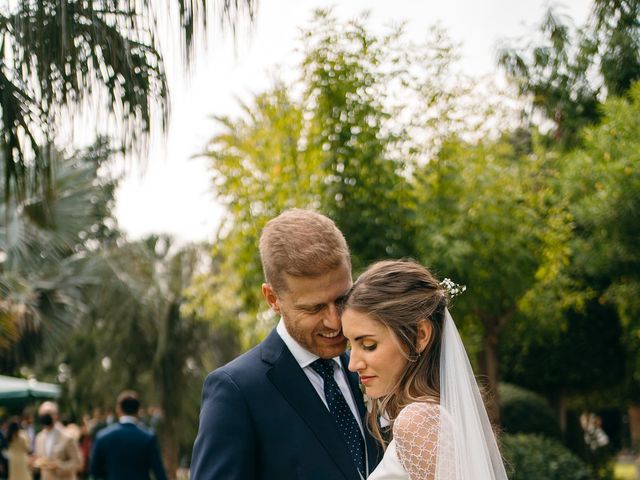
[125, 450]
[289, 408]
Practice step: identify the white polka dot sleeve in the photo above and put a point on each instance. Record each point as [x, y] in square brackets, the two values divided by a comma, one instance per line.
[424, 441]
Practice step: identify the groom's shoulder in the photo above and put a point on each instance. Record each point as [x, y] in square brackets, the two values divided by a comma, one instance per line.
[241, 363]
[248, 364]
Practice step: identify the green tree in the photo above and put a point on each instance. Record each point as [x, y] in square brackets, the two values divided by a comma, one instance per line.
[57, 54]
[347, 74]
[43, 249]
[260, 167]
[615, 28]
[557, 76]
[568, 73]
[593, 291]
[567, 373]
[603, 183]
[137, 334]
[487, 224]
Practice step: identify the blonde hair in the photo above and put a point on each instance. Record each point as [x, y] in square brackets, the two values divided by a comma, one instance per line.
[399, 294]
[301, 243]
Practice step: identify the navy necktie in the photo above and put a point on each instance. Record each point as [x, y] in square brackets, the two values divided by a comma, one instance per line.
[345, 421]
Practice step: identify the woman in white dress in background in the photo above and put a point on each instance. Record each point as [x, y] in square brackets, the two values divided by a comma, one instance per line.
[413, 366]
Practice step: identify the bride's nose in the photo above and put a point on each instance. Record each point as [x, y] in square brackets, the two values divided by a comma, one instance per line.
[355, 362]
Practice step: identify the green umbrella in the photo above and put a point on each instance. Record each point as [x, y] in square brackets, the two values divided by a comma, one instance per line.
[15, 391]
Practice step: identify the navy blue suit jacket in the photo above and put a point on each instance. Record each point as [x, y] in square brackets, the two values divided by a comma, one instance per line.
[261, 418]
[125, 451]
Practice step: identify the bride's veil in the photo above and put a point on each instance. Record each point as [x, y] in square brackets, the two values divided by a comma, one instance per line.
[475, 455]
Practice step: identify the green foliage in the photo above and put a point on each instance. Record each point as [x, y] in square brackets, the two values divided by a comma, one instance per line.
[481, 222]
[57, 55]
[616, 31]
[533, 457]
[371, 108]
[82, 306]
[44, 242]
[523, 411]
[603, 183]
[346, 94]
[568, 73]
[136, 334]
[556, 75]
[595, 287]
[486, 223]
[566, 367]
[260, 167]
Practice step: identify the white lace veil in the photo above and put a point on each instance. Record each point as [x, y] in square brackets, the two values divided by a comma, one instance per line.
[476, 454]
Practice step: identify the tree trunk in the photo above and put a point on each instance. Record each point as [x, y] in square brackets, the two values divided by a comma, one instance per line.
[170, 451]
[559, 404]
[169, 381]
[488, 360]
[634, 425]
[489, 369]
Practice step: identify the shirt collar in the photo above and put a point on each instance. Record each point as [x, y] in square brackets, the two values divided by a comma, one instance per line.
[128, 419]
[303, 356]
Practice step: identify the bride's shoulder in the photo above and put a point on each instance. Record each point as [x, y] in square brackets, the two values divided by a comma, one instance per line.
[417, 416]
[417, 409]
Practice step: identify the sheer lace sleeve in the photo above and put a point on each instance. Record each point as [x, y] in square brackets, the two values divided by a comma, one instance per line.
[424, 442]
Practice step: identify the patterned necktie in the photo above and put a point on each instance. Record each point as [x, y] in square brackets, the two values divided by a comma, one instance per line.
[346, 422]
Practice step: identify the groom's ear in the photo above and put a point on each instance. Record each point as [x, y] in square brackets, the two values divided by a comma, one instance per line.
[424, 334]
[270, 295]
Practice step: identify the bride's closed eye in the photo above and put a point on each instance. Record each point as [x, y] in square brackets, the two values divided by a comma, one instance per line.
[369, 346]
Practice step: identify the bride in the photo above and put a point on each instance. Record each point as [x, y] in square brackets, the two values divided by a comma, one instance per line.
[412, 363]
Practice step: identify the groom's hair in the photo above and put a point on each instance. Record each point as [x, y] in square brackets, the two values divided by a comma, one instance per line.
[301, 243]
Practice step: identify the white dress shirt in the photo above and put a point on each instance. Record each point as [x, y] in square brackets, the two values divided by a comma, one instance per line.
[305, 358]
[49, 442]
[129, 419]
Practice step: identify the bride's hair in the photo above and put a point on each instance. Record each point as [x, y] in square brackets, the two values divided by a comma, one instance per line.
[399, 294]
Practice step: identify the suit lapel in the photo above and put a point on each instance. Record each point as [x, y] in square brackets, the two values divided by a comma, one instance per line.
[293, 384]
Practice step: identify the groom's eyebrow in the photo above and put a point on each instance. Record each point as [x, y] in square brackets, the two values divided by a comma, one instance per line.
[310, 306]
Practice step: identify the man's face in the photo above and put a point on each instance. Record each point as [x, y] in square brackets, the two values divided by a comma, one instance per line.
[47, 415]
[310, 311]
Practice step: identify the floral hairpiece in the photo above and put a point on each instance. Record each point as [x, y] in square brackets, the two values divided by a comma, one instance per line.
[452, 288]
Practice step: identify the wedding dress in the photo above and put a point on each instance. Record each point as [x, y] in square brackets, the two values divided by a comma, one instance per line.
[452, 440]
[422, 447]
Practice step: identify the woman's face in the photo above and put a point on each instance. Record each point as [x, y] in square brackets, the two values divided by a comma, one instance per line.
[376, 353]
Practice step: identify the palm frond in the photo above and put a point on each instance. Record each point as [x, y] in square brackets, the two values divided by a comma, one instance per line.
[57, 53]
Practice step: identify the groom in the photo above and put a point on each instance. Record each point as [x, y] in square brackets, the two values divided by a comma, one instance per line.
[289, 408]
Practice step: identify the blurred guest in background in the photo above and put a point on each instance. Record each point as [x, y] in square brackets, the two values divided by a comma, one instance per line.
[18, 452]
[126, 450]
[57, 455]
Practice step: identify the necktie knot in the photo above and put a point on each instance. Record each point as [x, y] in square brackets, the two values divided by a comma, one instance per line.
[324, 367]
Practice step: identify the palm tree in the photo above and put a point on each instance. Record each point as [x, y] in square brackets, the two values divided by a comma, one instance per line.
[56, 55]
[138, 335]
[44, 242]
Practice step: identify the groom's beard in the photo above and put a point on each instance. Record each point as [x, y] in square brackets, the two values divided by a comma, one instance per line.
[320, 341]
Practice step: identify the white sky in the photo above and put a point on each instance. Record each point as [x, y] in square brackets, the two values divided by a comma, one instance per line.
[174, 195]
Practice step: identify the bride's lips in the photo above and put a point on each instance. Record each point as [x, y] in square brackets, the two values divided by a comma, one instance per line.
[365, 379]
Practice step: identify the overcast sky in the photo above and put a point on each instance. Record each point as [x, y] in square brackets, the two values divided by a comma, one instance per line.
[175, 195]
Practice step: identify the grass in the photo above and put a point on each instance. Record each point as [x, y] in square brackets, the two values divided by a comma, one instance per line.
[625, 471]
